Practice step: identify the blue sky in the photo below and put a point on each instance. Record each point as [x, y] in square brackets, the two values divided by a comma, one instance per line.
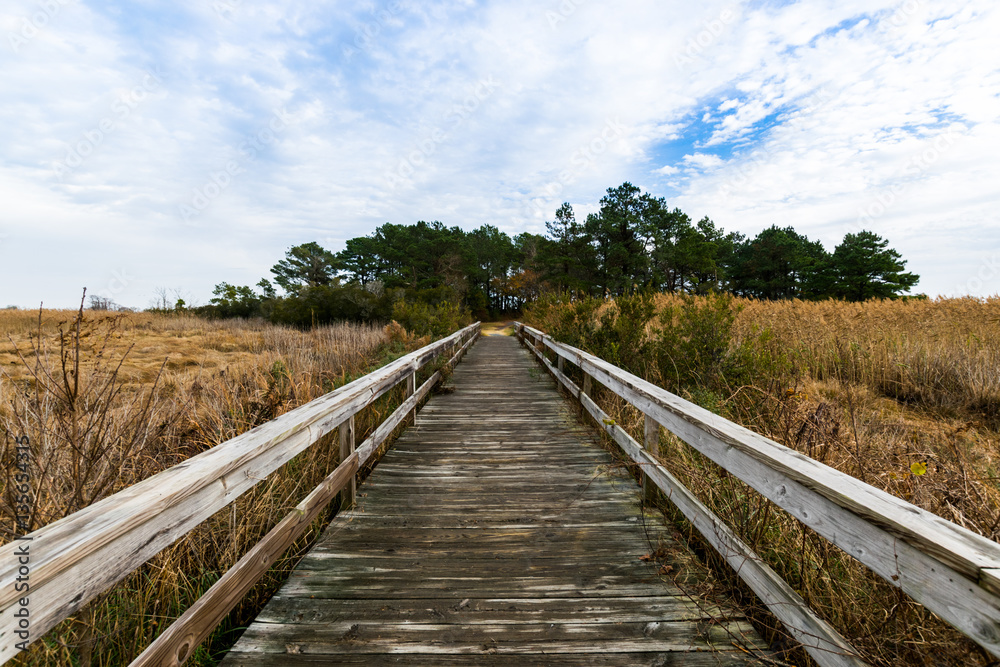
[178, 145]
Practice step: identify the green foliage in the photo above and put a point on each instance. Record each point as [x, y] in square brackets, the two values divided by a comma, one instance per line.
[569, 320]
[436, 321]
[616, 237]
[306, 265]
[637, 241]
[634, 243]
[566, 258]
[234, 301]
[622, 334]
[693, 347]
[777, 264]
[688, 347]
[476, 268]
[330, 303]
[864, 267]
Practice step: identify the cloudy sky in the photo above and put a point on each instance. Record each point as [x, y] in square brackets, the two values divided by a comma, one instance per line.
[179, 144]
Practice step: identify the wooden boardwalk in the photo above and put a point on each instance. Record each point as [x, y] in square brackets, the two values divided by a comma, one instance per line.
[496, 531]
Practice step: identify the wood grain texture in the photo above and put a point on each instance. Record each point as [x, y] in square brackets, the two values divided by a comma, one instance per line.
[826, 646]
[496, 531]
[947, 568]
[76, 558]
[349, 495]
[177, 643]
[651, 443]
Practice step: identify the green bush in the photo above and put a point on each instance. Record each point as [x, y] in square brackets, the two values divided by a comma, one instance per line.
[436, 321]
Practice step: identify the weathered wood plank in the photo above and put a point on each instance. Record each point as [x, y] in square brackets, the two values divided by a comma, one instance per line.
[825, 645]
[499, 611]
[178, 642]
[713, 658]
[78, 557]
[349, 495]
[348, 637]
[651, 443]
[482, 528]
[942, 565]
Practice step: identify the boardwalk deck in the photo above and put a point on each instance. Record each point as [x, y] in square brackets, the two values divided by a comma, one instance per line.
[495, 532]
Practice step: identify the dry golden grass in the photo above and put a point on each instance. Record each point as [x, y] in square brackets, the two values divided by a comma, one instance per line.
[903, 383]
[904, 395]
[152, 391]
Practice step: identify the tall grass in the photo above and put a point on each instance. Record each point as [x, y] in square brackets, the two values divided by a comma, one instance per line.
[108, 400]
[903, 395]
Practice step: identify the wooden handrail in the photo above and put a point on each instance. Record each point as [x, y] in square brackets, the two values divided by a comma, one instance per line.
[76, 558]
[949, 569]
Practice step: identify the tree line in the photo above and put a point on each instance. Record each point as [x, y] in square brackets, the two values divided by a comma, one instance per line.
[635, 241]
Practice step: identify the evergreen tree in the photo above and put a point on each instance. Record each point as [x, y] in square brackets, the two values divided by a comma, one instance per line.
[617, 236]
[306, 265]
[864, 267]
[567, 259]
[778, 263]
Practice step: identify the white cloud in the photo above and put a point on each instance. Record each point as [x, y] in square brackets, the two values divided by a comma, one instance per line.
[703, 161]
[821, 106]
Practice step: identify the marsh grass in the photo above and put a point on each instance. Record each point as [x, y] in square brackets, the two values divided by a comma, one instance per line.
[108, 400]
[903, 395]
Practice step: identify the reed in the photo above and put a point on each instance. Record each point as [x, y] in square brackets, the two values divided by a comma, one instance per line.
[903, 395]
[109, 399]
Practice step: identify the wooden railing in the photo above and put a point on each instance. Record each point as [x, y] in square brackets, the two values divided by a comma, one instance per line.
[69, 562]
[950, 570]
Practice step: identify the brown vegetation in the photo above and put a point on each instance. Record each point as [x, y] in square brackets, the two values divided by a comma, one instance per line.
[903, 395]
[107, 400]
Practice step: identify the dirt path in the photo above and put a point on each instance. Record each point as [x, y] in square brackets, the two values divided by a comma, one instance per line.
[498, 328]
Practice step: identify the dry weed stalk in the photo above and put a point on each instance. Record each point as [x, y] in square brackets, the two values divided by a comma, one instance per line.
[904, 395]
[103, 410]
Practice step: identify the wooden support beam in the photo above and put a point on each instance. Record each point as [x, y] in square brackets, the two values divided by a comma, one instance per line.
[76, 558]
[947, 568]
[821, 640]
[178, 642]
[651, 442]
[411, 387]
[349, 495]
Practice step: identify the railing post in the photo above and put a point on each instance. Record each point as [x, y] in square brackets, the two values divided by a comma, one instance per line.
[588, 384]
[652, 445]
[411, 387]
[559, 364]
[349, 495]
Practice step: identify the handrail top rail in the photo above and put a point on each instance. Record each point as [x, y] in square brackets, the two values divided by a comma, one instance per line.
[971, 554]
[102, 522]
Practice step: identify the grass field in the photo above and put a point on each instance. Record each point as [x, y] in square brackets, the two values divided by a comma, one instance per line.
[123, 396]
[903, 395]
